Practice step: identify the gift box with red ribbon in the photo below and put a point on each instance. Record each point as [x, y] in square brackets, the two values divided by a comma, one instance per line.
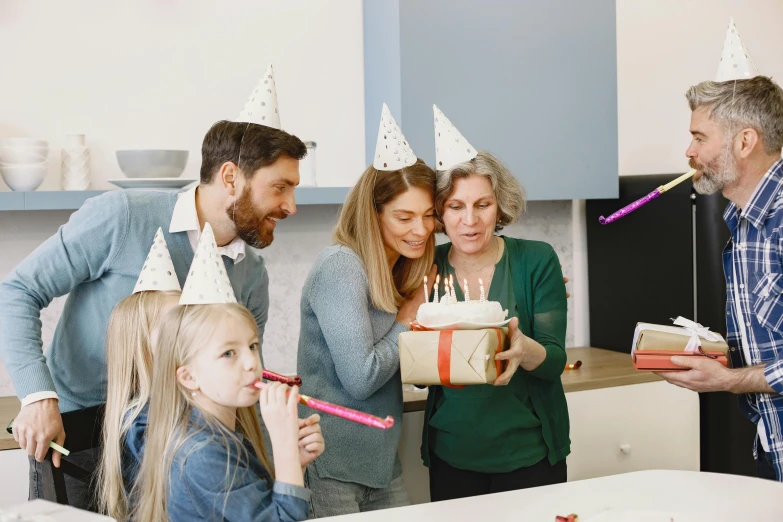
[451, 357]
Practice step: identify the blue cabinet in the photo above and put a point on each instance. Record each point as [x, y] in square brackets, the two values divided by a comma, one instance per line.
[533, 82]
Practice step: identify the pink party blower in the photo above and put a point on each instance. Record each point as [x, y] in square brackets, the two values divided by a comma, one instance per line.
[291, 381]
[343, 412]
[646, 199]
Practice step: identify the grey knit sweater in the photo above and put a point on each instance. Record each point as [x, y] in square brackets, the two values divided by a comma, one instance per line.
[348, 355]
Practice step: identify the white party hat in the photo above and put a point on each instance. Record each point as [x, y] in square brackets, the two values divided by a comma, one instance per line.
[158, 270]
[735, 62]
[451, 147]
[261, 106]
[392, 151]
[207, 281]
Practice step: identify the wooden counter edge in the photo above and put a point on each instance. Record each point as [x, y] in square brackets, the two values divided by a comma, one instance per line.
[573, 381]
[9, 407]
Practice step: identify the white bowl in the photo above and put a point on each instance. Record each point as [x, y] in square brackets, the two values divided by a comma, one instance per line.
[23, 155]
[25, 142]
[23, 178]
[152, 163]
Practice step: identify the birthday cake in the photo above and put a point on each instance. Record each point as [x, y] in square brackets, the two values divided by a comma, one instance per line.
[478, 312]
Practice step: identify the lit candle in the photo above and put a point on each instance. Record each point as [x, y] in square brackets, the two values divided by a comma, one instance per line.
[482, 297]
[467, 290]
[426, 292]
[451, 286]
[446, 293]
[437, 284]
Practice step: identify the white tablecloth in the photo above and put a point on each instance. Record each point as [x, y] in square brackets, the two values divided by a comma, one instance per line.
[681, 496]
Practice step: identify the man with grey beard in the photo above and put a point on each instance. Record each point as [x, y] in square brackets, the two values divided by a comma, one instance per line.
[737, 129]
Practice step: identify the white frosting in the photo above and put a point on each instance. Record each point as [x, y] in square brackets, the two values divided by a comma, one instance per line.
[483, 312]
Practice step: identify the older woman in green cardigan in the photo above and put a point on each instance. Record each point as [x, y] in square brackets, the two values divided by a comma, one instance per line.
[511, 434]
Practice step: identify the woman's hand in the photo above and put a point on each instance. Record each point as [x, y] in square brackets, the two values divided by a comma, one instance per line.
[311, 441]
[565, 282]
[409, 308]
[523, 351]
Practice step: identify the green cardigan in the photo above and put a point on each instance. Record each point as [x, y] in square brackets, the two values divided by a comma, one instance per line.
[538, 289]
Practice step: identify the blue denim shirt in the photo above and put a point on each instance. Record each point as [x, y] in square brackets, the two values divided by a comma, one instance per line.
[132, 449]
[214, 481]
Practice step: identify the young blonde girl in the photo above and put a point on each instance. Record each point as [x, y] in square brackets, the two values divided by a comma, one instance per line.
[204, 455]
[129, 339]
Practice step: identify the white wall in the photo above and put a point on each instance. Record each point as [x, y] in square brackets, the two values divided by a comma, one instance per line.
[157, 74]
[664, 47]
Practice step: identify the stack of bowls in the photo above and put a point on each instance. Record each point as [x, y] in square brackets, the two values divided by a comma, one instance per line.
[23, 162]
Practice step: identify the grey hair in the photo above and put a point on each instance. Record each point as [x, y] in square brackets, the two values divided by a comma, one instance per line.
[756, 103]
[509, 192]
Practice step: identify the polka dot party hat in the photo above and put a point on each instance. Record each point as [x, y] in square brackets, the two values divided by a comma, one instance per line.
[158, 270]
[735, 62]
[451, 147]
[392, 151]
[207, 281]
[261, 106]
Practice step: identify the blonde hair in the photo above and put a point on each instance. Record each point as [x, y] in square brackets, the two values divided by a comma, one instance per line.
[509, 192]
[359, 229]
[129, 365]
[180, 336]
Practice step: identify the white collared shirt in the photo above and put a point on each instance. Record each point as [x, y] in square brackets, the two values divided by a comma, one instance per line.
[185, 219]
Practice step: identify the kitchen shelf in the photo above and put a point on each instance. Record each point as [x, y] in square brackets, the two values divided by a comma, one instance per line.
[74, 199]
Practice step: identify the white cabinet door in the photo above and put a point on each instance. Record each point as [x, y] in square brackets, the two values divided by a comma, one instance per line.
[613, 430]
[13, 477]
[633, 428]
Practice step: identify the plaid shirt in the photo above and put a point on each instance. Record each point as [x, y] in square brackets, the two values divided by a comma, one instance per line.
[753, 259]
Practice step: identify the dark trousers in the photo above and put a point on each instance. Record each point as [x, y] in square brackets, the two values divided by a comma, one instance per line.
[448, 482]
[73, 483]
[764, 467]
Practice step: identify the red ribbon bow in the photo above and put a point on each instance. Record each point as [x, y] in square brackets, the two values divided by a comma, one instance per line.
[444, 354]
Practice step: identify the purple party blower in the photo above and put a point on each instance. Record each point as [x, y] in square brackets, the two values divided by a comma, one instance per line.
[646, 199]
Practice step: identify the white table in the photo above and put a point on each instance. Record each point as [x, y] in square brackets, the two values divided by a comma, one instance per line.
[43, 511]
[692, 496]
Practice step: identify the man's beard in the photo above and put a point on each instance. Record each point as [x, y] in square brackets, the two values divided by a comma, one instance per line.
[716, 174]
[252, 226]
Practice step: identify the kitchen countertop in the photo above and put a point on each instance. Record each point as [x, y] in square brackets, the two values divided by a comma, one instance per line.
[9, 407]
[600, 369]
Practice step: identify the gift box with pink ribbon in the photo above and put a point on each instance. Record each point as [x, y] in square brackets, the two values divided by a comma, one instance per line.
[655, 344]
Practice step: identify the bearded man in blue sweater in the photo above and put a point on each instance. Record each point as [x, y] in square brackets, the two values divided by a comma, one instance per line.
[248, 175]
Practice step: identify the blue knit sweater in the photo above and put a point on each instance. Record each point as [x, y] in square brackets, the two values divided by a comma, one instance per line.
[348, 355]
[96, 258]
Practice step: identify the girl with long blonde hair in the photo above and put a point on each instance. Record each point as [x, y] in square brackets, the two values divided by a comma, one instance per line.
[359, 296]
[204, 455]
[129, 339]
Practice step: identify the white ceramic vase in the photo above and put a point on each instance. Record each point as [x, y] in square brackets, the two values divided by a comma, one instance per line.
[75, 166]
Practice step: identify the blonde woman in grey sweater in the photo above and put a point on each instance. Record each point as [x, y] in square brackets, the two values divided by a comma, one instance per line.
[360, 294]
